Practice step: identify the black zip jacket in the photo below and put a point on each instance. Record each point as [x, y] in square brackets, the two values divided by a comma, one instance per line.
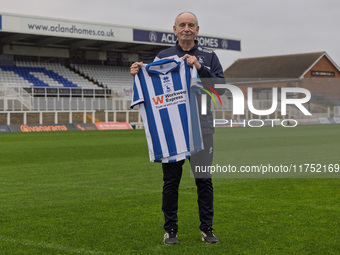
[211, 70]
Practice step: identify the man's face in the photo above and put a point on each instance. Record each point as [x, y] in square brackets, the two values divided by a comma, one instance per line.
[186, 28]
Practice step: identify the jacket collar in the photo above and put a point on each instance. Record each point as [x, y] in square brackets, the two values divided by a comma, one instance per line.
[192, 49]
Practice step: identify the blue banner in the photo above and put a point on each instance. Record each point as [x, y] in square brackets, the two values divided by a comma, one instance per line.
[4, 129]
[170, 38]
[0, 22]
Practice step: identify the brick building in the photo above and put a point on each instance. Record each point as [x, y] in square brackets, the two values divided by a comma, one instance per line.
[296, 66]
[308, 70]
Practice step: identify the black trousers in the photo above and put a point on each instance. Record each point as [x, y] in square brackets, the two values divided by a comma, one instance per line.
[172, 173]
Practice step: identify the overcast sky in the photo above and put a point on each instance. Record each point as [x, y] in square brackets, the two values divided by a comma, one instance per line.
[265, 27]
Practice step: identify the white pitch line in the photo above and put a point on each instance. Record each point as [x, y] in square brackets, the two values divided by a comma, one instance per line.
[51, 246]
[71, 186]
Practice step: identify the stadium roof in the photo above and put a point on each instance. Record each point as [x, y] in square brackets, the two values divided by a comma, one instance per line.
[45, 32]
[285, 66]
[75, 43]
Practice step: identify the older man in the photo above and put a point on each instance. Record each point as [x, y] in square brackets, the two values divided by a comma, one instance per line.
[208, 66]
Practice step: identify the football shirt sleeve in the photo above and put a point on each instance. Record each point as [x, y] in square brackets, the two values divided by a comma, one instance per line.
[137, 93]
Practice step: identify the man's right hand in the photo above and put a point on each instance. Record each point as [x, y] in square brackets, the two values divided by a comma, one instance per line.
[134, 68]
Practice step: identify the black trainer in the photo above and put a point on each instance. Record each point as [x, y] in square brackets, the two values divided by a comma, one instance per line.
[170, 237]
[208, 236]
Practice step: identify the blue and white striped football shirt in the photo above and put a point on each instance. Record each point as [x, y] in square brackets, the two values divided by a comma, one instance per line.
[168, 107]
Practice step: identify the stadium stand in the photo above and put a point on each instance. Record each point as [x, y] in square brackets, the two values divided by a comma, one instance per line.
[107, 76]
[10, 77]
[54, 75]
[30, 74]
[42, 75]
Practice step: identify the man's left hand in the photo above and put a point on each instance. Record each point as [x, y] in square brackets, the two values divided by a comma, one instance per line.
[192, 61]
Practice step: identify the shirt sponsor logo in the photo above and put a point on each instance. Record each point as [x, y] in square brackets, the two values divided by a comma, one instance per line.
[158, 100]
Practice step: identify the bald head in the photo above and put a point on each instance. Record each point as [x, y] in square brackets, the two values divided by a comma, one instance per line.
[186, 13]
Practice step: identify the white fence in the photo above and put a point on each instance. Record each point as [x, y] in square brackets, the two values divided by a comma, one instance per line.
[17, 100]
[336, 111]
[16, 103]
[17, 96]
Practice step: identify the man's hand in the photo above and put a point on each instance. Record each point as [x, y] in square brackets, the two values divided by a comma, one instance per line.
[192, 61]
[134, 68]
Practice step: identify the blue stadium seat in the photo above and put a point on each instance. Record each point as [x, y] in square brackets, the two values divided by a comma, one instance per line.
[25, 72]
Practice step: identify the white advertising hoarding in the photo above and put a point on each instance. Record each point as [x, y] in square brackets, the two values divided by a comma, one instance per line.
[54, 27]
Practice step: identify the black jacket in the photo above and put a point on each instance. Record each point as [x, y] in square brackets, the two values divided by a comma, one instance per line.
[211, 73]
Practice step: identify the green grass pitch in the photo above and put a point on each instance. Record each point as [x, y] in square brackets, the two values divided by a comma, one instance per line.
[95, 192]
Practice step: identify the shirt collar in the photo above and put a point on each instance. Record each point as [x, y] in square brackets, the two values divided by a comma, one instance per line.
[163, 66]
